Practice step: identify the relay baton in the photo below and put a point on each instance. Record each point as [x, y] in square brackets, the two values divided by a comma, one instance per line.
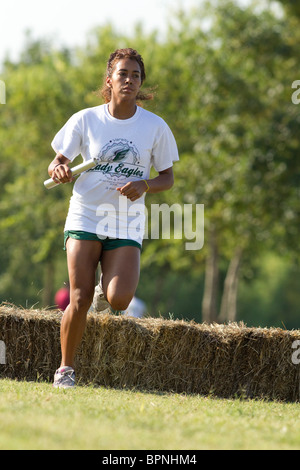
[76, 170]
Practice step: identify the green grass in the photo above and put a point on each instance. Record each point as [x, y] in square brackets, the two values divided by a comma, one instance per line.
[36, 416]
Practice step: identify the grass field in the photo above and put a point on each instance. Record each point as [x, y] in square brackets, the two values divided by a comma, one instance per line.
[36, 416]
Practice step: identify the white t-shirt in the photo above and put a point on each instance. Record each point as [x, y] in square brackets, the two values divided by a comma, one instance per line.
[126, 150]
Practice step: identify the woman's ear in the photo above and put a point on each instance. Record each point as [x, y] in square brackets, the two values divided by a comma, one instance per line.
[108, 82]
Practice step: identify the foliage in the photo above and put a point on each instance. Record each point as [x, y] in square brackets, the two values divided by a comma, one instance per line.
[222, 78]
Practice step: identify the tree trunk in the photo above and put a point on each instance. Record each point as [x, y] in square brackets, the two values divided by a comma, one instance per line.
[228, 308]
[211, 284]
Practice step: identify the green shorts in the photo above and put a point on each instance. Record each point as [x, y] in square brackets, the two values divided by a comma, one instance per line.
[108, 243]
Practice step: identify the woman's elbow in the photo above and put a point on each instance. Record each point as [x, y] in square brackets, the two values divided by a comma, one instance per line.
[170, 180]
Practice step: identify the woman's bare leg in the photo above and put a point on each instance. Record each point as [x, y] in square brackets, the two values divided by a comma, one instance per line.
[121, 270]
[83, 258]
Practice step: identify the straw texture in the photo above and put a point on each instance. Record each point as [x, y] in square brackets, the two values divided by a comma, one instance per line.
[155, 354]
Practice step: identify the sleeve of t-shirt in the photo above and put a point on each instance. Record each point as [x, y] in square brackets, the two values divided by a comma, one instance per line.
[69, 138]
[165, 150]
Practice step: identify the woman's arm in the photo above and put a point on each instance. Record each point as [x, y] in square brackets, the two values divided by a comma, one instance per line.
[59, 169]
[135, 189]
[162, 182]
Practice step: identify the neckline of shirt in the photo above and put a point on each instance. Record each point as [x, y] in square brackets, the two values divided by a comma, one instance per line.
[122, 121]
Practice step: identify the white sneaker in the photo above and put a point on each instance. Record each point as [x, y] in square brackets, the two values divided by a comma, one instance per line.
[99, 301]
[64, 377]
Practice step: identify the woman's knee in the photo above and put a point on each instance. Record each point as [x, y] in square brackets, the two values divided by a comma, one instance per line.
[81, 299]
[118, 301]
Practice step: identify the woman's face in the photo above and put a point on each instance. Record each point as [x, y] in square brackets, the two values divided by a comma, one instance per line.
[125, 81]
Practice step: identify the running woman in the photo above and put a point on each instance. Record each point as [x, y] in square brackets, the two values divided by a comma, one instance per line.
[103, 223]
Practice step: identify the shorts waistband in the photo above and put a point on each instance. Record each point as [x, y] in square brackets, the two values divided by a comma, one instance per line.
[108, 242]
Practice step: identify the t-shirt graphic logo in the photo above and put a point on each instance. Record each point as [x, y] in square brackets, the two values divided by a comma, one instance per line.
[120, 155]
[120, 150]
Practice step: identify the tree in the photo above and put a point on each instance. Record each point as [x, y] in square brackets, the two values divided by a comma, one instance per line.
[292, 7]
[225, 91]
[39, 96]
[235, 117]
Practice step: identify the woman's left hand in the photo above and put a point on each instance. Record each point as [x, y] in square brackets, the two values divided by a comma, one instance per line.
[133, 190]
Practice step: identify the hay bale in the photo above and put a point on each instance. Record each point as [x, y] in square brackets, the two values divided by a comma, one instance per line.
[32, 340]
[156, 354]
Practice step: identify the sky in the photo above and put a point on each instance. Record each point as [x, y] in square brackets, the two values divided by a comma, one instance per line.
[68, 22]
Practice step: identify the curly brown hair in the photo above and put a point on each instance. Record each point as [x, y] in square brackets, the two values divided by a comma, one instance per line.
[114, 57]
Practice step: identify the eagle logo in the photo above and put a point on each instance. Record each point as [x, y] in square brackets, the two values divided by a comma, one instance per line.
[119, 150]
[120, 155]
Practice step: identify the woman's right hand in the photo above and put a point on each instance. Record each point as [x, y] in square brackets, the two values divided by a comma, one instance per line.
[59, 169]
[61, 173]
